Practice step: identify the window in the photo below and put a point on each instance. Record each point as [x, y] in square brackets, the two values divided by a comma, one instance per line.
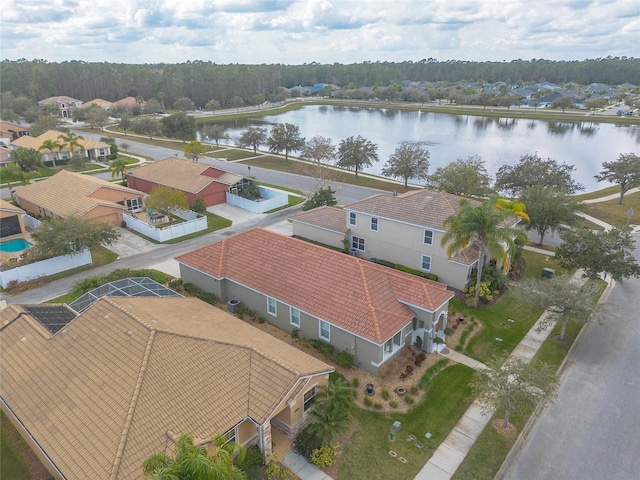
[310, 397]
[324, 330]
[352, 218]
[426, 263]
[271, 306]
[294, 316]
[357, 243]
[134, 203]
[428, 237]
[374, 224]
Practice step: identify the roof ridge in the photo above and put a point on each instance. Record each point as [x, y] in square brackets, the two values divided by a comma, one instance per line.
[132, 407]
[372, 308]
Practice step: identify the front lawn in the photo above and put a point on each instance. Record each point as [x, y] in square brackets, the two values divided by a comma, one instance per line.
[613, 213]
[367, 454]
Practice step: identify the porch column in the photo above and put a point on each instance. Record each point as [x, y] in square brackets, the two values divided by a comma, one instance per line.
[265, 434]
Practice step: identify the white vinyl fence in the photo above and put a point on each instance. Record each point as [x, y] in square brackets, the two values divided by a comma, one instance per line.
[194, 222]
[30, 222]
[44, 267]
[269, 200]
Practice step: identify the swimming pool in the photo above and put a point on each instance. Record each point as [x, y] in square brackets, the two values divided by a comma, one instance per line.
[15, 245]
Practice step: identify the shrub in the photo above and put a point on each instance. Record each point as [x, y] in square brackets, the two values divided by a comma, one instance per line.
[322, 346]
[276, 472]
[354, 393]
[355, 382]
[199, 206]
[253, 457]
[409, 369]
[386, 264]
[335, 376]
[486, 294]
[393, 404]
[418, 343]
[344, 359]
[408, 399]
[385, 394]
[325, 455]
[413, 390]
[367, 402]
[458, 348]
[377, 406]
[261, 320]
[254, 472]
[201, 294]
[448, 331]
[295, 333]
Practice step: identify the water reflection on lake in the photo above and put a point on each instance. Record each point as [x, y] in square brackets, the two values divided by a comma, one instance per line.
[498, 141]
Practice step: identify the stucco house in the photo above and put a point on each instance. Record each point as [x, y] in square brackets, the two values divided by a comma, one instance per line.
[10, 220]
[406, 229]
[365, 309]
[91, 149]
[195, 180]
[67, 193]
[94, 394]
[10, 131]
[65, 104]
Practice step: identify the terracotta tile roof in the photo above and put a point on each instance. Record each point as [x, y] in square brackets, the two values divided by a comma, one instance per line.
[58, 99]
[8, 127]
[36, 142]
[97, 101]
[101, 395]
[330, 218]
[126, 101]
[354, 294]
[9, 207]
[68, 193]
[425, 208]
[181, 174]
[5, 155]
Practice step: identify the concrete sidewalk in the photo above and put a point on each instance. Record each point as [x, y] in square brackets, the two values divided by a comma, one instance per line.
[303, 469]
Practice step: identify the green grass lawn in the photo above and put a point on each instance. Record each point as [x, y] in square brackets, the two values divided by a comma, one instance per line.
[367, 454]
[231, 154]
[598, 193]
[214, 222]
[12, 466]
[613, 213]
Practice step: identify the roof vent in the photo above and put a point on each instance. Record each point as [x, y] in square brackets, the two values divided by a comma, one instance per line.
[129, 333]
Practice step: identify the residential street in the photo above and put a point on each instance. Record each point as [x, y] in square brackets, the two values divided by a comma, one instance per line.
[591, 430]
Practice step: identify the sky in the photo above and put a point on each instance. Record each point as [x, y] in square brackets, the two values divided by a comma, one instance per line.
[325, 31]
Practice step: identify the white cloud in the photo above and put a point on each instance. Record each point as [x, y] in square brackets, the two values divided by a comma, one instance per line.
[327, 31]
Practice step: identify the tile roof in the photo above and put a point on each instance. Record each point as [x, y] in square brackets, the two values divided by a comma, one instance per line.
[68, 193]
[354, 294]
[36, 142]
[330, 218]
[8, 127]
[58, 99]
[97, 101]
[101, 395]
[9, 207]
[425, 208]
[183, 174]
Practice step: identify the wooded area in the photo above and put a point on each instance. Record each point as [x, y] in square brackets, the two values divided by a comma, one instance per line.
[203, 81]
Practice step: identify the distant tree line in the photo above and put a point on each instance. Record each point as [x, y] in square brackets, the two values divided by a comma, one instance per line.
[234, 85]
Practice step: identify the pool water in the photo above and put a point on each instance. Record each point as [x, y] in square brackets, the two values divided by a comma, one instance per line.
[15, 245]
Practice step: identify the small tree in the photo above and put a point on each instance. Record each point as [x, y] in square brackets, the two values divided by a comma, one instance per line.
[179, 125]
[195, 150]
[610, 252]
[562, 102]
[184, 104]
[322, 152]
[356, 153]
[165, 200]
[548, 209]
[409, 160]
[199, 206]
[466, 177]
[625, 171]
[253, 137]
[71, 235]
[565, 301]
[212, 105]
[119, 168]
[285, 136]
[124, 124]
[324, 196]
[216, 132]
[146, 126]
[28, 158]
[514, 385]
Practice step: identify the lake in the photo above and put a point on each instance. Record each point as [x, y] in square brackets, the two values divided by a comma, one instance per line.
[499, 141]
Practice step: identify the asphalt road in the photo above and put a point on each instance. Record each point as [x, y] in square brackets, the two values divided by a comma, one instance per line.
[592, 429]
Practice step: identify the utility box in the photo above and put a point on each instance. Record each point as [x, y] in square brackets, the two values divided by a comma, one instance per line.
[548, 272]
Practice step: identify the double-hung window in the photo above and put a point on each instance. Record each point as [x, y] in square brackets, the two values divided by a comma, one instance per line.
[425, 264]
[352, 218]
[310, 397]
[272, 309]
[325, 332]
[374, 224]
[294, 317]
[428, 237]
[357, 243]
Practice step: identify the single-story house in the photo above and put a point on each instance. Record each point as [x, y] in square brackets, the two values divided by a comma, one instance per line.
[91, 149]
[67, 193]
[10, 220]
[195, 180]
[104, 104]
[65, 104]
[367, 310]
[95, 394]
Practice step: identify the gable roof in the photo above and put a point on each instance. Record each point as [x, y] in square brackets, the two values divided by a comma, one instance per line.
[8, 207]
[356, 295]
[328, 218]
[8, 127]
[36, 142]
[424, 208]
[68, 193]
[102, 394]
[183, 174]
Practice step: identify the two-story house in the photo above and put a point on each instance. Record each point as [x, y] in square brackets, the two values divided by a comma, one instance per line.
[65, 104]
[405, 229]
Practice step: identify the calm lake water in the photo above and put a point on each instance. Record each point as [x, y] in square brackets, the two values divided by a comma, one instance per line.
[498, 141]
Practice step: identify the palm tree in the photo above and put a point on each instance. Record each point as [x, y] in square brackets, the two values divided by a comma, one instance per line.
[119, 168]
[70, 140]
[327, 421]
[482, 225]
[192, 461]
[51, 145]
[337, 394]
